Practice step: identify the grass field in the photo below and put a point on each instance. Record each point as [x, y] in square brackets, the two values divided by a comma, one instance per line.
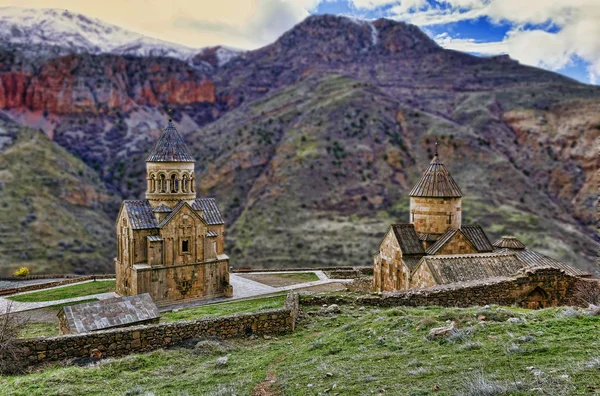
[43, 322]
[278, 280]
[360, 352]
[223, 309]
[61, 293]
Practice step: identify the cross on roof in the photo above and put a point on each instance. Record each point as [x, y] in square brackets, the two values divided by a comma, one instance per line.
[170, 112]
[436, 147]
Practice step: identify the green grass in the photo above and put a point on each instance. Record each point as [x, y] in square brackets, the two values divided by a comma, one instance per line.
[209, 311]
[39, 329]
[359, 352]
[299, 276]
[61, 293]
[46, 329]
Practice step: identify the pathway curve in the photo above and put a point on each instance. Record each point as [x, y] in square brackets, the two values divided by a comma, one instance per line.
[242, 289]
[16, 306]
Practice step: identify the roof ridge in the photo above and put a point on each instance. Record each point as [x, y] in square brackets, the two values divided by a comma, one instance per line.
[468, 255]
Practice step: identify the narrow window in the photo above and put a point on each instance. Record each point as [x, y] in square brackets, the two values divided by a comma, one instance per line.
[185, 246]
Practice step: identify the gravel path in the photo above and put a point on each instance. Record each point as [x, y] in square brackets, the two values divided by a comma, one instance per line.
[242, 289]
[16, 306]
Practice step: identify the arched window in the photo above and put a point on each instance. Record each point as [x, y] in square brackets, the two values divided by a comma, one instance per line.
[174, 183]
[184, 183]
[162, 183]
[152, 183]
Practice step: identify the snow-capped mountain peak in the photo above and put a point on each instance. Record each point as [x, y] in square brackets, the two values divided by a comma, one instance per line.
[79, 33]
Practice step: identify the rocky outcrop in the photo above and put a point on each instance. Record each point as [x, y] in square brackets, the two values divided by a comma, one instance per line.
[103, 84]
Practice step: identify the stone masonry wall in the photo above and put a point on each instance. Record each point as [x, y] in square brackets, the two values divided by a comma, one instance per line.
[124, 341]
[435, 215]
[556, 287]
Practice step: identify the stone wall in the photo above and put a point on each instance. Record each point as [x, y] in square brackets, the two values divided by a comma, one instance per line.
[124, 341]
[40, 286]
[531, 288]
[353, 273]
[435, 215]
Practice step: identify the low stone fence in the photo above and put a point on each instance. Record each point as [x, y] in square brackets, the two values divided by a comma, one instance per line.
[250, 270]
[124, 341]
[531, 288]
[353, 273]
[39, 286]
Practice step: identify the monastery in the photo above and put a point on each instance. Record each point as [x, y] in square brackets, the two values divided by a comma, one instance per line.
[435, 248]
[171, 245]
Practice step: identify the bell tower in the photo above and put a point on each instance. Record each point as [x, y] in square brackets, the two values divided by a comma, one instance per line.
[436, 200]
[170, 170]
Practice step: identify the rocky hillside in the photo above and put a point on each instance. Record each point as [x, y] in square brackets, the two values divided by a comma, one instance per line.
[312, 143]
[56, 214]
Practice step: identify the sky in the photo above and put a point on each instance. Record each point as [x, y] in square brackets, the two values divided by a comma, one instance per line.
[558, 35]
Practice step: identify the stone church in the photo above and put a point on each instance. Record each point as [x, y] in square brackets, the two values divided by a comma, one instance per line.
[435, 248]
[171, 244]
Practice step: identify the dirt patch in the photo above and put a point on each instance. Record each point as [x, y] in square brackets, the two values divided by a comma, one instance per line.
[328, 287]
[42, 315]
[264, 388]
[279, 280]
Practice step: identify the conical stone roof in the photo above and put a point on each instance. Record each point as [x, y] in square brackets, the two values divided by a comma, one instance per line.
[436, 182]
[170, 147]
[510, 242]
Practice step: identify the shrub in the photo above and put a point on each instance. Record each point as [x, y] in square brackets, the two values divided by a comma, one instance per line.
[23, 271]
[10, 326]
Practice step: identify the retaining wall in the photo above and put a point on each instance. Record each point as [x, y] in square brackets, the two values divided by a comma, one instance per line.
[143, 338]
[532, 288]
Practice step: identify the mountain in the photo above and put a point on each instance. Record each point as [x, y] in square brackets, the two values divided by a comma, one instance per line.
[56, 214]
[80, 34]
[311, 144]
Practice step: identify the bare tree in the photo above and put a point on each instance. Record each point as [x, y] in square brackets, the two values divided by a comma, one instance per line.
[11, 324]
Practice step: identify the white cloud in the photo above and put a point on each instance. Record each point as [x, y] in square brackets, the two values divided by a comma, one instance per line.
[236, 23]
[577, 23]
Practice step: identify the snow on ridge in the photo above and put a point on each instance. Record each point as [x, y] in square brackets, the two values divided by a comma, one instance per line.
[363, 21]
[56, 27]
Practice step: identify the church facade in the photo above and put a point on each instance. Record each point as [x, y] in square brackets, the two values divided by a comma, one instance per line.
[435, 248]
[171, 244]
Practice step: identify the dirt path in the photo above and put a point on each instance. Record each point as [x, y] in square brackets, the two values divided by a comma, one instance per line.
[264, 388]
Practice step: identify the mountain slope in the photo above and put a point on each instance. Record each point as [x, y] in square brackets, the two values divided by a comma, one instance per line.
[53, 207]
[313, 175]
[312, 143]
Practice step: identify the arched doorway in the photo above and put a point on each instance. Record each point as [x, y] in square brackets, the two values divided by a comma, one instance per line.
[536, 299]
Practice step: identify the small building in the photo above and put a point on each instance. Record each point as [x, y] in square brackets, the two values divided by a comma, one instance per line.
[435, 248]
[171, 244]
[108, 314]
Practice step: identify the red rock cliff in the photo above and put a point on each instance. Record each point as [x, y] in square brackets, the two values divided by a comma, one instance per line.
[100, 84]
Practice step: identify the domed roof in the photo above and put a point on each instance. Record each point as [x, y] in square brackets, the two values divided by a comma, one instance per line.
[436, 182]
[170, 147]
[509, 242]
